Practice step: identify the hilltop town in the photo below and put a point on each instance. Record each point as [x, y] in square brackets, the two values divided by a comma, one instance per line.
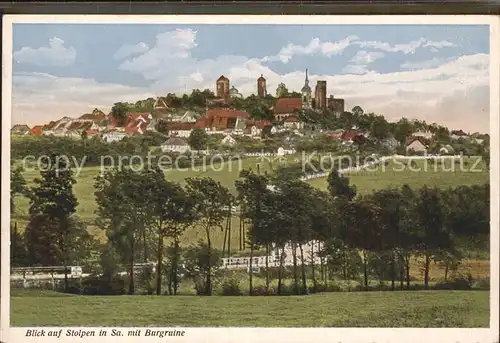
[219, 115]
[228, 114]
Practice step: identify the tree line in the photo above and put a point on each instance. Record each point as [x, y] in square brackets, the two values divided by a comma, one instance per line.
[373, 235]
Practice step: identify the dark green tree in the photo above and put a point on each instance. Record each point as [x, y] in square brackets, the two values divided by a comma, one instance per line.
[198, 139]
[52, 205]
[433, 235]
[210, 199]
[119, 112]
[253, 189]
[123, 210]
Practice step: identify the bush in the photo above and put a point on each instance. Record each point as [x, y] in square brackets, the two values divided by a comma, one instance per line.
[482, 284]
[95, 286]
[462, 282]
[321, 287]
[74, 286]
[261, 290]
[231, 287]
[292, 289]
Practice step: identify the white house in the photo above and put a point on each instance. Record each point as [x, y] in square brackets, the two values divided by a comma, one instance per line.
[113, 136]
[254, 131]
[20, 130]
[292, 122]
[282, 151]
[228, 140]
[446, 149]
[416, 144]
[180, 129]
[175, 144]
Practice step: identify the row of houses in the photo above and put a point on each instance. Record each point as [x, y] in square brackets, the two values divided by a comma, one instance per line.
[215, 121]
[92, 124]
[180, 145]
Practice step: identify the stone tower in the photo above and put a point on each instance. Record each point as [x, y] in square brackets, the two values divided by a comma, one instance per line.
[306, 93]
[261, 87]
[222, 87]
[320, 96]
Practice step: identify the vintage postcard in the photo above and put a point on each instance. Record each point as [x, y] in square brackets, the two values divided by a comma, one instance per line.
[250, 178]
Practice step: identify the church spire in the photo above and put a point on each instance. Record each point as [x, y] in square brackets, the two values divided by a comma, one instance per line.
[306, 88]
[306, 93]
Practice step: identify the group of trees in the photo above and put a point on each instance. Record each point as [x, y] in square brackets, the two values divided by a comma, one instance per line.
[138, 208]
[91, 149]
[354, 235]
[389, 226]
[54, 235]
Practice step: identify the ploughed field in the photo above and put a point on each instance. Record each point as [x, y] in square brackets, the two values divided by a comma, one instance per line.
[344, 309]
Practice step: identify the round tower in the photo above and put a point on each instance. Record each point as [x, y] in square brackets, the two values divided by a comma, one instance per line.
[261, 86]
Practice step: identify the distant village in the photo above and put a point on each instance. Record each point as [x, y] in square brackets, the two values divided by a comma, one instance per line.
[218, 117]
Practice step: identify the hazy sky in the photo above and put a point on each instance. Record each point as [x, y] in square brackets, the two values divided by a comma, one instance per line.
[439, 73]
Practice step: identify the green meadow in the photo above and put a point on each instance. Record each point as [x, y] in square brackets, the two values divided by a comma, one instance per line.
[340, 309]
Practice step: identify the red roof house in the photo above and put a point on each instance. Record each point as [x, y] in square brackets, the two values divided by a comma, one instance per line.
[136, 129]
[201, 123]
[260, 124]
[226, 113]
[220, 119]
[36, 130]
[349, 135]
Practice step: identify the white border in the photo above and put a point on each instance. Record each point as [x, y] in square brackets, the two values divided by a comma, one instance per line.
[223, 335]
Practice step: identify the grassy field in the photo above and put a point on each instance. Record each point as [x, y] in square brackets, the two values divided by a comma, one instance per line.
[227, 173]
[356, 309]
[394, 175]
[366, 181]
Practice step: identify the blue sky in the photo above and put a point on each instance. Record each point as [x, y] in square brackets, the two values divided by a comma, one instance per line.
[388, 69]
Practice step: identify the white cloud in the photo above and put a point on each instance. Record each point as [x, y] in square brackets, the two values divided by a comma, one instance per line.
[55, 54]
[405, 48]
[360, 61]
[439, 45]
[38, 98]
[434, 62]
[170, 47]
[315, 46]
[357, 69]
[364, 57]
[129, 50]
[197, 77]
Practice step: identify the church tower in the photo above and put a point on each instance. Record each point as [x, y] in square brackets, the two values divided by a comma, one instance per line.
[306, 94]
